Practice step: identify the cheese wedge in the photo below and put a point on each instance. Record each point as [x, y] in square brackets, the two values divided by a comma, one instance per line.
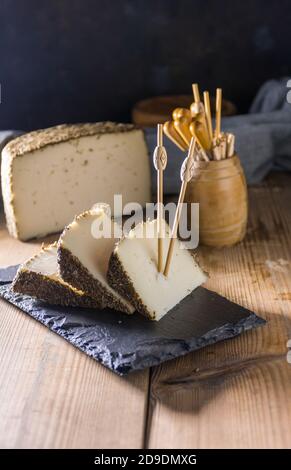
[83, 258]
[49, 176]
[133, 272]
[38, 277]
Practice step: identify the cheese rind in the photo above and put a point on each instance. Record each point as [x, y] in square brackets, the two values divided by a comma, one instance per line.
[83, 259]
[50, 175]
[38, 277]
[133, 272]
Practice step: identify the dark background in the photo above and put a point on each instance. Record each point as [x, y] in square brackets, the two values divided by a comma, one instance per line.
[86, 60]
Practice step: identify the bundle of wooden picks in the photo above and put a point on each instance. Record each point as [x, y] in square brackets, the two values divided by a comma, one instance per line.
[197, 122]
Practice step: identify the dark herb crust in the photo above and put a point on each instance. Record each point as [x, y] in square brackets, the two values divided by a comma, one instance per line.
[41, 138]
[120, 281]
[43, 288]
[73, 272]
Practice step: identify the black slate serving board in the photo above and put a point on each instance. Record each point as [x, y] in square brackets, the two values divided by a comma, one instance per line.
[126, 343]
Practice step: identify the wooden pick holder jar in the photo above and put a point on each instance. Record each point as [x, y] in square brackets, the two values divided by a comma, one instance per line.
[221, 192]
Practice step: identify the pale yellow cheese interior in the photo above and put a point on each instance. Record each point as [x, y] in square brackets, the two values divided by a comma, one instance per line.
[44, 189]
[138, 256]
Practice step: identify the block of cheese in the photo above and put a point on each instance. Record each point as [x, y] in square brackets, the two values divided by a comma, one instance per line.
[38, 277]
[83, 258]
[133, 272]
[49, 176]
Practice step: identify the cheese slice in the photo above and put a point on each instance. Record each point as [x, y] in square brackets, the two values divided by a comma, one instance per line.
[49, 176]
[38, 277]
[83, 257]
[133, 272]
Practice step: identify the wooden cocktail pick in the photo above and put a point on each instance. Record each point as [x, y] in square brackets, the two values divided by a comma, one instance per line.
[174, 136]
[182, 120]
[216, 150]
[200, 131]
[218, 112]
[181, 113]
[230, 144]
[198, 137]
[182, 127]
[198, 113]
[196, 107]
[186, 174]
[208, 113]
[223, 146]
[160, 162]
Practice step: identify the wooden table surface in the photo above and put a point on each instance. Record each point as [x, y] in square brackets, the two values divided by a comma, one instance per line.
[233, 394]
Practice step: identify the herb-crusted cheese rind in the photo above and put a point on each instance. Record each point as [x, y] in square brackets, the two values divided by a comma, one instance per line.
[121, 282]
[36, 140]
[8, 193]
[37, 278]
[83, 259]
[51, 291]
[50, 175]
[73, 272]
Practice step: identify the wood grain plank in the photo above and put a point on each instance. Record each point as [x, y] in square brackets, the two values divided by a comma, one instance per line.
[54, 396]
[237, 393]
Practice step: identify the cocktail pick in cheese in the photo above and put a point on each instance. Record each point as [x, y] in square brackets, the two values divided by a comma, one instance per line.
[186, 174]
[38, 277]
[84, 249]
[160, 163]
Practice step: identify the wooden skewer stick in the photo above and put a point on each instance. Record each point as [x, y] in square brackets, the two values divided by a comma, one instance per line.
[160, 163]
[196, 93]
[223, 146]
[218, 112]
[216, 151]
[230, 145]
[195, 107]
[208, 113]
[187, 172]
[198, 112]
